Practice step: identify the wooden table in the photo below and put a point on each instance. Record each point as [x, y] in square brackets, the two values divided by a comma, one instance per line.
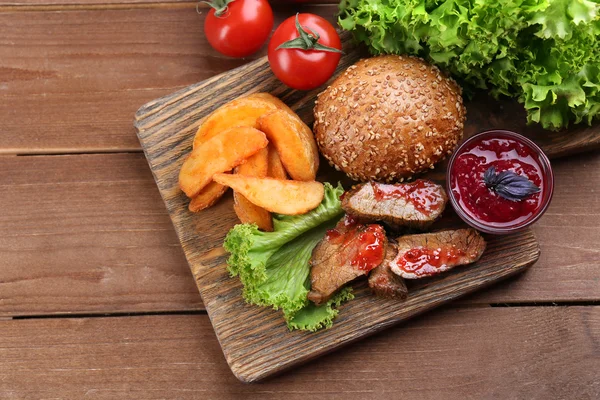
[96, 299]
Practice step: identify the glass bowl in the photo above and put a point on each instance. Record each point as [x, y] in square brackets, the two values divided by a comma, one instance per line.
[504, 228]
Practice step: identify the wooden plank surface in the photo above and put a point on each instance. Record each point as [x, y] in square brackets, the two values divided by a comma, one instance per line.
[71, 81]
[105, 4]
[129, 236]
[53, 100]
[87, 233]
[493, 353]
[54, 5]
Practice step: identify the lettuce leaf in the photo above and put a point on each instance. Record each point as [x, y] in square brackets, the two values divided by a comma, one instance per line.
[546, 53]
[274, 266]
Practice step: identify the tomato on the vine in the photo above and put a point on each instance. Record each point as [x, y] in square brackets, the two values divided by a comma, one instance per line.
[304, 51]
[238, 28]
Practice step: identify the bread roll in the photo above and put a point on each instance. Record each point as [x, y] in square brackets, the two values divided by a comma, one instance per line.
[387, 118]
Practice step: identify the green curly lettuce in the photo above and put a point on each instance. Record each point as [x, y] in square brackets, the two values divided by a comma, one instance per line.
[546, 53]
[274, 266]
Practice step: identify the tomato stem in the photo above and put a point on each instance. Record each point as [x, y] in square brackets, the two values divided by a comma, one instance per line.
[306, 41]
[220, 6]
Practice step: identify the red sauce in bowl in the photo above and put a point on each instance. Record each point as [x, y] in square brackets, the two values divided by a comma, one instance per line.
[482, 207]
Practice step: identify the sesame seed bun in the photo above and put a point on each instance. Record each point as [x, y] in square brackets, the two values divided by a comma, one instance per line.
[387, 118]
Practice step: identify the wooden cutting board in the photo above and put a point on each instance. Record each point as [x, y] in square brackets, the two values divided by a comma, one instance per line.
[255, 340]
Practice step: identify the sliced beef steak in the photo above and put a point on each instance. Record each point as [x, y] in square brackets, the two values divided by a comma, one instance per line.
[384, 282]
[346, 252]
[416, 204]
[429, 254]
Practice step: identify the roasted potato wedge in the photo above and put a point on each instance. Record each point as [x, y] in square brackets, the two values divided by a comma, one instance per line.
[243, 111]
[294, 142]
[220, 153]
[249, 213]
[276, 169]
[257, 165]
[210, 194]
[276, 195]
[207, 196]
[274, 100]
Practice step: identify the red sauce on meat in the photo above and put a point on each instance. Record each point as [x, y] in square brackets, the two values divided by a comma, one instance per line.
[370, 248]
[340, 232]
[363, 244]
[423, 261]
[482, 203]
[424, 195]
[333, 235]
[350, 220]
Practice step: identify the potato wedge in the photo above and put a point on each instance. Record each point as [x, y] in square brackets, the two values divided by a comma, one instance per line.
[294, 142]
[249, 213]
[216, 191]
[276, 169]
[257, 165]
[274, 100]
[243, 111]
[207, 197]
[220, 153]
[276, 195]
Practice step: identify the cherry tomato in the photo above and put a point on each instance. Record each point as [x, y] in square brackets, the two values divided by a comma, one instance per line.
[238, 28]
[314, 54]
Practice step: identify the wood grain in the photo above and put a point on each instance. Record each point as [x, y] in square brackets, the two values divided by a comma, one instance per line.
[67, 5]
[87, 234]
[111, 4]
[568, 269]
[70, 81]
[485, 113]
[494, 353]
[262, 345]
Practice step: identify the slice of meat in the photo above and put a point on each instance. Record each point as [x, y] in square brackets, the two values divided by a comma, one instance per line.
[384, 282]
[415, 205]
[429, 254]
[346, 252]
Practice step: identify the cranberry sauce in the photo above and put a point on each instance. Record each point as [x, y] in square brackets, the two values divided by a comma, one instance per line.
[370, 249]
[484, 204]
[423, 261]
[425, 195]
[363, 245]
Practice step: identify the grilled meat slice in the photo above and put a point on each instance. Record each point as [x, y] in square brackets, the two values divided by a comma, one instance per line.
[429, 254]
[346, 252]
[415, 205]
[384, 282]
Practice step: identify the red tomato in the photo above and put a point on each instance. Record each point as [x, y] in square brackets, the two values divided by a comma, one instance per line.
[241, 28]
[304, 69]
